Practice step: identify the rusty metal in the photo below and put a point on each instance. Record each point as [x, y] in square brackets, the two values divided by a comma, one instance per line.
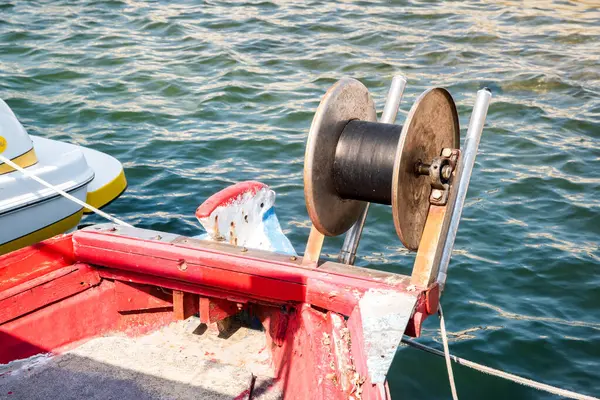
[427, 262]
[431, 125]
[346, 100]
[440, 176]
[421, 168]
[439, 172]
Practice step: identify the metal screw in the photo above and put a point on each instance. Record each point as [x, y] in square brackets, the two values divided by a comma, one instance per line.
[293, 258]
[436, 194]
[446, 152]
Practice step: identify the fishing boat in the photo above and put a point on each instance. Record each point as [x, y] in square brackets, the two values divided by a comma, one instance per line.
[115, 311]
[30, 212]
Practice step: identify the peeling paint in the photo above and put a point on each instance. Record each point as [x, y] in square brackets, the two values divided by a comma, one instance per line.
[385, 315]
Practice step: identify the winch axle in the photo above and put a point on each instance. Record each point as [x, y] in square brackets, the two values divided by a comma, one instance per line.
[363, 166]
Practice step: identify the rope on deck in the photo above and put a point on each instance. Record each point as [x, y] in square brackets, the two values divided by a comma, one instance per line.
[500, 374]
[62, 192]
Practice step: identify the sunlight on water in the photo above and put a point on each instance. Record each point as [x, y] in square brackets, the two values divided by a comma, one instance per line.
[194, 97]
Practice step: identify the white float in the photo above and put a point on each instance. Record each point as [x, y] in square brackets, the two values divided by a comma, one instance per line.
[29, 212]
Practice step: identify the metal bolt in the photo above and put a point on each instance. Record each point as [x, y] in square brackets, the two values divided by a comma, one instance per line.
[422, 168]
[293, 258]
[446, 152]
[446, 171]
[436, 194]
[182, 265]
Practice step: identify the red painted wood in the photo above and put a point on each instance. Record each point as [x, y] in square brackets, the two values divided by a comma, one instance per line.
[321, 293]
[253, 277]
[320, 347]
[32, 283]
[129, 298]
[96, 244]
[196, 273]
[129, 276]
[31, 262]
[276, 323]
[66, 282]
[330, 296]
[213, 310]
[63, 324]
[307, 345]
[342, 360]
[302, 360]
[184, 305]
[362, 386]
[59, 324]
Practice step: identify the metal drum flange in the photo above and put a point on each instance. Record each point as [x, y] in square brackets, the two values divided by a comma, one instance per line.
[432, 125]
[346, 100]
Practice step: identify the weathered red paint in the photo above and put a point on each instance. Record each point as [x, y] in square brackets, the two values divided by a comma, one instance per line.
[184, 305]
[134, 286]
[31, 262]
[276, 323]
[302, 359]
[129, 276]
[64, 283]
[340, 350]
[213, 310]
[65, 323]
[362, 386]
[35, 282]
[226, 196]
[128, 297]
[250, 276]
[432, 299]
[427, 304]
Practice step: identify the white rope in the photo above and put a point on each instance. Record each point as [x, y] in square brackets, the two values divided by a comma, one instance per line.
[447, 354]
[62, 193]
[501, 374]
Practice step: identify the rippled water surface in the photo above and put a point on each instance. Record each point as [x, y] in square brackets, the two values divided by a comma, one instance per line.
[192, 97]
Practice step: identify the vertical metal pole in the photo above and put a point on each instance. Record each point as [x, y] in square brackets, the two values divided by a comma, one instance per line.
[348, 253]
[465, 168]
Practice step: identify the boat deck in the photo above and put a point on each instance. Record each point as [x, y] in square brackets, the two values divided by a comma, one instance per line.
[184, 360]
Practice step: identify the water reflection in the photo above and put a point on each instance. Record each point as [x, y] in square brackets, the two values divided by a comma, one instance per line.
[521, 317]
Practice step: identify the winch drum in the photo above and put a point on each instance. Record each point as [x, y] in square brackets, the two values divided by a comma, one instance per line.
[351, 159]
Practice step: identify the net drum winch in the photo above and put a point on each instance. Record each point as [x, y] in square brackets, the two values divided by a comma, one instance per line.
[351, 159]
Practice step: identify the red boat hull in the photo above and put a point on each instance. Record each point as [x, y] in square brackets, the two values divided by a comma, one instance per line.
[72, 288]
